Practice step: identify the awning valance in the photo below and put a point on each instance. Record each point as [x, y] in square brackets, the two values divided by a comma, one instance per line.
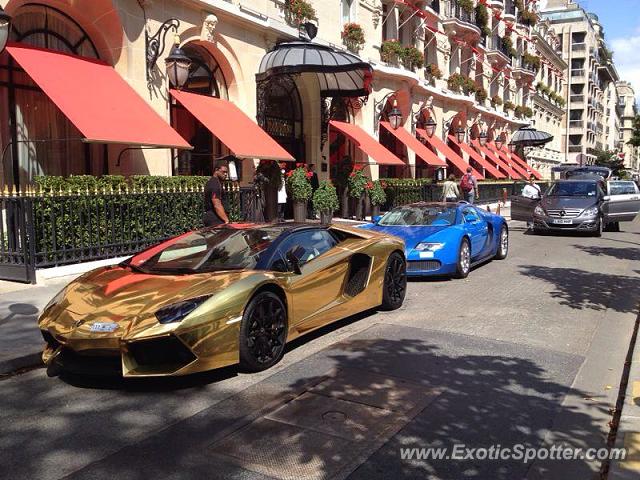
[504, 166]
[339, 73]
[99, 103]
[413, 144]
[505, 158]
[525, 165]
[232, 127]
[490, 169]
[456, 160]
[367, 144]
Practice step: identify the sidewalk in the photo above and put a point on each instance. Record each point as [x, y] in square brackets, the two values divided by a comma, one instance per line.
[20, 304]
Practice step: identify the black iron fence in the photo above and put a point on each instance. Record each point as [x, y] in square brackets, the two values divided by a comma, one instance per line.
[43, 230]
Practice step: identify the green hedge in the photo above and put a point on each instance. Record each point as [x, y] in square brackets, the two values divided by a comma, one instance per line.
[85, 217]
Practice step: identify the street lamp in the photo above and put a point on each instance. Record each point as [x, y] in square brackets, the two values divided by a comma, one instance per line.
[460, 134]
[177, 65]
[483, 139]
[395, 116]
[5, 26]
[430, 127]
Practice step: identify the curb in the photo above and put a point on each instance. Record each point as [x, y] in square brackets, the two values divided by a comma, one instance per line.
[31, 360]
[628, 434]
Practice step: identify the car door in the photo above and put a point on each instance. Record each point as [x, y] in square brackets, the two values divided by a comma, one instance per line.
[477, 229]
[323, 270]
[622, 202]
[522, 207]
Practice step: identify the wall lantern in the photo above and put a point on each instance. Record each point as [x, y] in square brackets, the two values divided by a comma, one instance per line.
[483, 139]
[177, 63]
[430, 127]
[460, 133]
[5, 26]
[395, 116]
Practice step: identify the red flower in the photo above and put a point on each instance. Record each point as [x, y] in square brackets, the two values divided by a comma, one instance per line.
[369, 186]
[298, 165]
[309, 174]
[289, 173]
[352, 174]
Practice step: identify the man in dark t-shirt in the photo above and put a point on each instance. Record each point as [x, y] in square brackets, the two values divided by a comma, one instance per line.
[214, 213]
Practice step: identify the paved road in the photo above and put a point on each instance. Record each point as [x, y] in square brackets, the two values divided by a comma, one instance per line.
[525, 351]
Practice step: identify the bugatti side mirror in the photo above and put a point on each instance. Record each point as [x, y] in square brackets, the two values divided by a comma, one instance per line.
[293, 258]
[376, 219]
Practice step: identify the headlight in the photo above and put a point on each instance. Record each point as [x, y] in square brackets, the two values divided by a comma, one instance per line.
[57, 299]
[429, 247]
[539, 211]
[177, 311]
[590, 212]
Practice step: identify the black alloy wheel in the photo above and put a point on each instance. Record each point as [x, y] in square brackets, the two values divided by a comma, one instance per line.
[263, 332]
[395, 282]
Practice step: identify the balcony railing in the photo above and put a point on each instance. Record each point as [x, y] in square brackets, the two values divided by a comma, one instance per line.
[496, 43]
[579, 47]
[509, 7]
[456, 11]
[577, 72]
[576, 123]
[575, 148]
[577, 98]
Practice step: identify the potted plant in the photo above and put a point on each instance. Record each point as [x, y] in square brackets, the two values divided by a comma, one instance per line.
[353, 36]
[325, 201]
[455, 82]
[509, 106]
[496, 101]
[433, 71]
[507, 44]
[412, 57]
[482, 19]
[356, 185]
[390, 51]
[377, 196]
[300, 188]
[299, 11]
[531, 61]
[466, 5]
[481, 95]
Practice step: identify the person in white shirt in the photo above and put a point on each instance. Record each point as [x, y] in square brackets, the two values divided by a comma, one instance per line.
[282, 195]
[532, 191]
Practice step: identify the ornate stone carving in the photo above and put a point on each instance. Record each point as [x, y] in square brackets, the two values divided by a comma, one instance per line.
[208, 28]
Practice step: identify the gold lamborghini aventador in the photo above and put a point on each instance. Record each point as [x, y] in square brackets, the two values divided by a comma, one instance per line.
[219, 296]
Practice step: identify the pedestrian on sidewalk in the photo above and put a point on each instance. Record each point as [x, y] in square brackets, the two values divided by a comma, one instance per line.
[450, 192]
[315, 184]
[214, 213]
[469, 186]
[531, 190]
[282, 193]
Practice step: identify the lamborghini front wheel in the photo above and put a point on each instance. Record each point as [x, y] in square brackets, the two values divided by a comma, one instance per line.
[395, 282]
[263, 332]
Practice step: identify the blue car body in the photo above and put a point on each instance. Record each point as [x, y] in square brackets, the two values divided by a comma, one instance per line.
[483, 237]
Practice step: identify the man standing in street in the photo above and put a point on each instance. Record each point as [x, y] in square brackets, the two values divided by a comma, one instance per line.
[315, 184]
[469, 186]
[532, 191]
[214, 213]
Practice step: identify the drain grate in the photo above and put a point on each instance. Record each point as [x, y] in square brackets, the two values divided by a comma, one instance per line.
[328, 430]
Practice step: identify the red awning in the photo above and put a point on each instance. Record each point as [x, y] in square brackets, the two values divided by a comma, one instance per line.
[232, 127]
[490, 169]
[513, 165]
[516, 159]
[91, 94]
[413, 144]
[456, 160]
[494, 158]
[367, 144]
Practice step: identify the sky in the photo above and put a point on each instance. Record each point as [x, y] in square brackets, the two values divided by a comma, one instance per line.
[621, 22]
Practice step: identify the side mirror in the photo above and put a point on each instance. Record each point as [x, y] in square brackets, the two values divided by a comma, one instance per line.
[376, 219]
[606, 198]
[293, 258]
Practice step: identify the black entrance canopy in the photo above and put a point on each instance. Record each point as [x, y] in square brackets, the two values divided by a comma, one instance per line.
[530, 137]
[340, 74]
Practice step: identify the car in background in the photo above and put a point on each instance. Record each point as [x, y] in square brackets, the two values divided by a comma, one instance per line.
[219, 296]
[445, 238]
[579, 205]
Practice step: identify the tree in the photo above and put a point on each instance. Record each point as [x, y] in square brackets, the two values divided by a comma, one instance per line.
[635, 139]
[610, 159]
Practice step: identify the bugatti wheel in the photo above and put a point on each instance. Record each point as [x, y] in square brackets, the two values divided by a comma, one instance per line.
[395, 282]
[503, 245]
[464, 259]
[263, 332]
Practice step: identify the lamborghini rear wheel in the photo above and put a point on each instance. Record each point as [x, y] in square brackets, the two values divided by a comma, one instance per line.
[395, 282]
[263, 332]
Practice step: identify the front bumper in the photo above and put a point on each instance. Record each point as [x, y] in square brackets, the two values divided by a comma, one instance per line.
[577, 224]
[438, 264]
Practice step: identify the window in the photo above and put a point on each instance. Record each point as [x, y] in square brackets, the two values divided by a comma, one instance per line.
[309, 243]
[348, 11]
[470, 215]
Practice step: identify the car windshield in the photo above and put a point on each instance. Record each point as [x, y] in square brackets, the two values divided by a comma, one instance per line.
[207, 251]
[622, 188]
[435, 215]
[573, 189]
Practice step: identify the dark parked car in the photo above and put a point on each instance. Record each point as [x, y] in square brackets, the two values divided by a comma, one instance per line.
[581, 205]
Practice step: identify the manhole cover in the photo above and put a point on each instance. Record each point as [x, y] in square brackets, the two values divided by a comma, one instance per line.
[334, 417]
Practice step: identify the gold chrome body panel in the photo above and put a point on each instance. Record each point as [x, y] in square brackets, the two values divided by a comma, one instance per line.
[210, 333]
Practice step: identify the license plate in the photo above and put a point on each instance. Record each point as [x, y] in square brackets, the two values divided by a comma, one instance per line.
[563, 221]
[426, 254]
[103, 327]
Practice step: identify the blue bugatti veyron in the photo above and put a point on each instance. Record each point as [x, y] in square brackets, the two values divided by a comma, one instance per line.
[445, 238]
